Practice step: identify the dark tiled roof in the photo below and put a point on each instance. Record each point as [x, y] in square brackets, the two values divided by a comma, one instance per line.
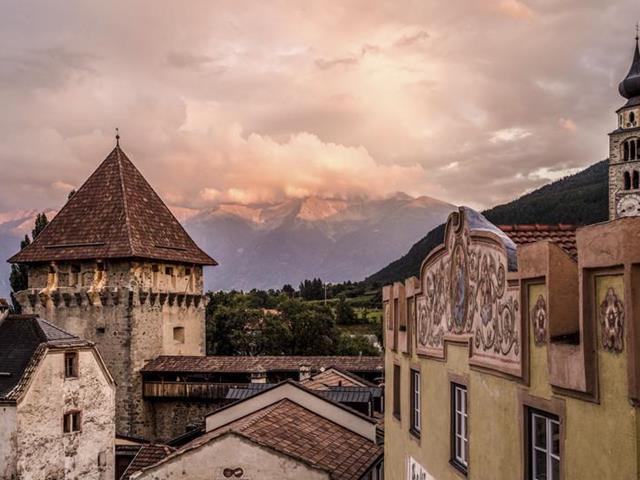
[349, 394]
[248, 390]
[293, 430]
[22, 338]
[562, 235]
[231, 364]
[146, 456]
[115, 214]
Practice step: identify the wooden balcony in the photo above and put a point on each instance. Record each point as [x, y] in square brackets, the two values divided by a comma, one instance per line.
[194, 390]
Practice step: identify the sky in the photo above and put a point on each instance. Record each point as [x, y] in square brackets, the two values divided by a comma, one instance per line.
[472, 102]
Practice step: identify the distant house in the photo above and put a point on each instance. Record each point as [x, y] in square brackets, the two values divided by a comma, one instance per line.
[285, 432]
[57, 404]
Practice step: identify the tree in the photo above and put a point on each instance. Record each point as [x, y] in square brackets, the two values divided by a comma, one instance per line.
[313, 328]
[288, 290]
[19, 276]
[357, 345]
[345, 314]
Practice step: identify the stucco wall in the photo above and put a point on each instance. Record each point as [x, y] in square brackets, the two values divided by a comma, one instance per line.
[44, 451]
[601, 439]
[171, 417]
[231, 451]
[7, 441]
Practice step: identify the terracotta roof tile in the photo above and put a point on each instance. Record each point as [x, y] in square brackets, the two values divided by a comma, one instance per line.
[147, 456]
[232, 364]
[333, 377]
[562, 235]
[293, 430]
[115, 214]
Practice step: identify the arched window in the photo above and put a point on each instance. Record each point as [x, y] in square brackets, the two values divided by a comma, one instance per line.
[627, 181]
[632, 149]
[632, 117]
[636, 180]
[625, 150]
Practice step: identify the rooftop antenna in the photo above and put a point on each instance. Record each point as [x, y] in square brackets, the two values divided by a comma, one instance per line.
[117, 137]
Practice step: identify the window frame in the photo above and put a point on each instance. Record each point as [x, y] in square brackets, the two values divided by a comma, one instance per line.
[397, 392]
[549, 420]
[75, 357]
[71, 415]
[415, 390]
[459, 458]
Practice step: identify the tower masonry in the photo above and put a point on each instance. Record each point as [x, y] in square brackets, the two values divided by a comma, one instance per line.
[117, 268]
[624, 148]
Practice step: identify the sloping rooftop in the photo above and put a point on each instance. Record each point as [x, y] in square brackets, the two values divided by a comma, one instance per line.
[147, 456]
[21, 340]
[334, 377]
[562, 235]
[293, 430]
[115, 214]
[246, 364]
[351, 394]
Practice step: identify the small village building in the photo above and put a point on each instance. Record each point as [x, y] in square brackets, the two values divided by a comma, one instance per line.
[516, 353]
[284, 432]
[182, 390]
[57, 404]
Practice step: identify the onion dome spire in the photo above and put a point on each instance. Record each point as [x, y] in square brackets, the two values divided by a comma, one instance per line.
[630, 86]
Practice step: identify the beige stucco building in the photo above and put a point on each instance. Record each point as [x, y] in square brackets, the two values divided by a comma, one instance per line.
[57, 404]
[516, 353]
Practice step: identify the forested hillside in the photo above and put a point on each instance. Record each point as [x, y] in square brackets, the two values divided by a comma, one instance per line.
[579, 199]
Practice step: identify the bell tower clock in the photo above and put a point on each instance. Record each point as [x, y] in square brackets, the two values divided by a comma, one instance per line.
[624, 148]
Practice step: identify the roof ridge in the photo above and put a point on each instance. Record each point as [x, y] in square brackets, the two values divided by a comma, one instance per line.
[125, 206]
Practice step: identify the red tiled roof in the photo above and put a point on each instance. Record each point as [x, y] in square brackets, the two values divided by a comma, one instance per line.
[293, 430]
[115, 214]
[147, 455]
[232, 364]
[562, 235]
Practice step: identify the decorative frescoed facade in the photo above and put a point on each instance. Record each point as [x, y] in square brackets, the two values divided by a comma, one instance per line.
[505, 338]
[465, 295]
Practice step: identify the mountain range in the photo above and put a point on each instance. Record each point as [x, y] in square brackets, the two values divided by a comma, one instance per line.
[579, 199]
[269, 245]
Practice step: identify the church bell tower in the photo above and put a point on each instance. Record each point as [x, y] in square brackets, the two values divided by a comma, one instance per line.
[624, 148]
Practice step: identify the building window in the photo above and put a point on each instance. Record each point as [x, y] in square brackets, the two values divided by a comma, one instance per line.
[187, 272]
[71, 422]
[71, 365]
[636, 180]
[627, 181]
[168, 270]
[544, 446]
[459, 427]
[396, 391]
[415, 403]
[632, 118]
[178, 334]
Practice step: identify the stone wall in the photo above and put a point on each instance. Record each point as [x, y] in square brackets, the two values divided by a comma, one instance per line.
[7, 441]
[44, 451]
[133, 311]
[172, 417]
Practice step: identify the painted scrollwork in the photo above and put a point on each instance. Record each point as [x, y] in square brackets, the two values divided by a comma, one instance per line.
[465, 292]
[539, 320]
[612, 322]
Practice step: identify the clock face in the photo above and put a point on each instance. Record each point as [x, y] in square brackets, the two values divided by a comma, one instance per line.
[628, 206]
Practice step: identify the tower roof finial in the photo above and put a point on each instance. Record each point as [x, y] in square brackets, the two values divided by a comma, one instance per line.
[117, 137]
[630, 87]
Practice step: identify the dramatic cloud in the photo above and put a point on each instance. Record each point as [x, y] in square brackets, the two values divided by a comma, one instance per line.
[472, 102]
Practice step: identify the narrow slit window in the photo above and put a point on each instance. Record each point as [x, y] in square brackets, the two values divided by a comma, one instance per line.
[636, 180]
[71, 365]
[627, 181]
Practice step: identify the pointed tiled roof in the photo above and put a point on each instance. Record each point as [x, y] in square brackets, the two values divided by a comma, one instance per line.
[630, 87]
[115, 214]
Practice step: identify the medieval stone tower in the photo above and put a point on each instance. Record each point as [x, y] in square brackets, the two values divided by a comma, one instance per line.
[624, 148]
[117, 268]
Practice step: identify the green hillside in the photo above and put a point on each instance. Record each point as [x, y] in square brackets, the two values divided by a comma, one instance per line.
[579, 199]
